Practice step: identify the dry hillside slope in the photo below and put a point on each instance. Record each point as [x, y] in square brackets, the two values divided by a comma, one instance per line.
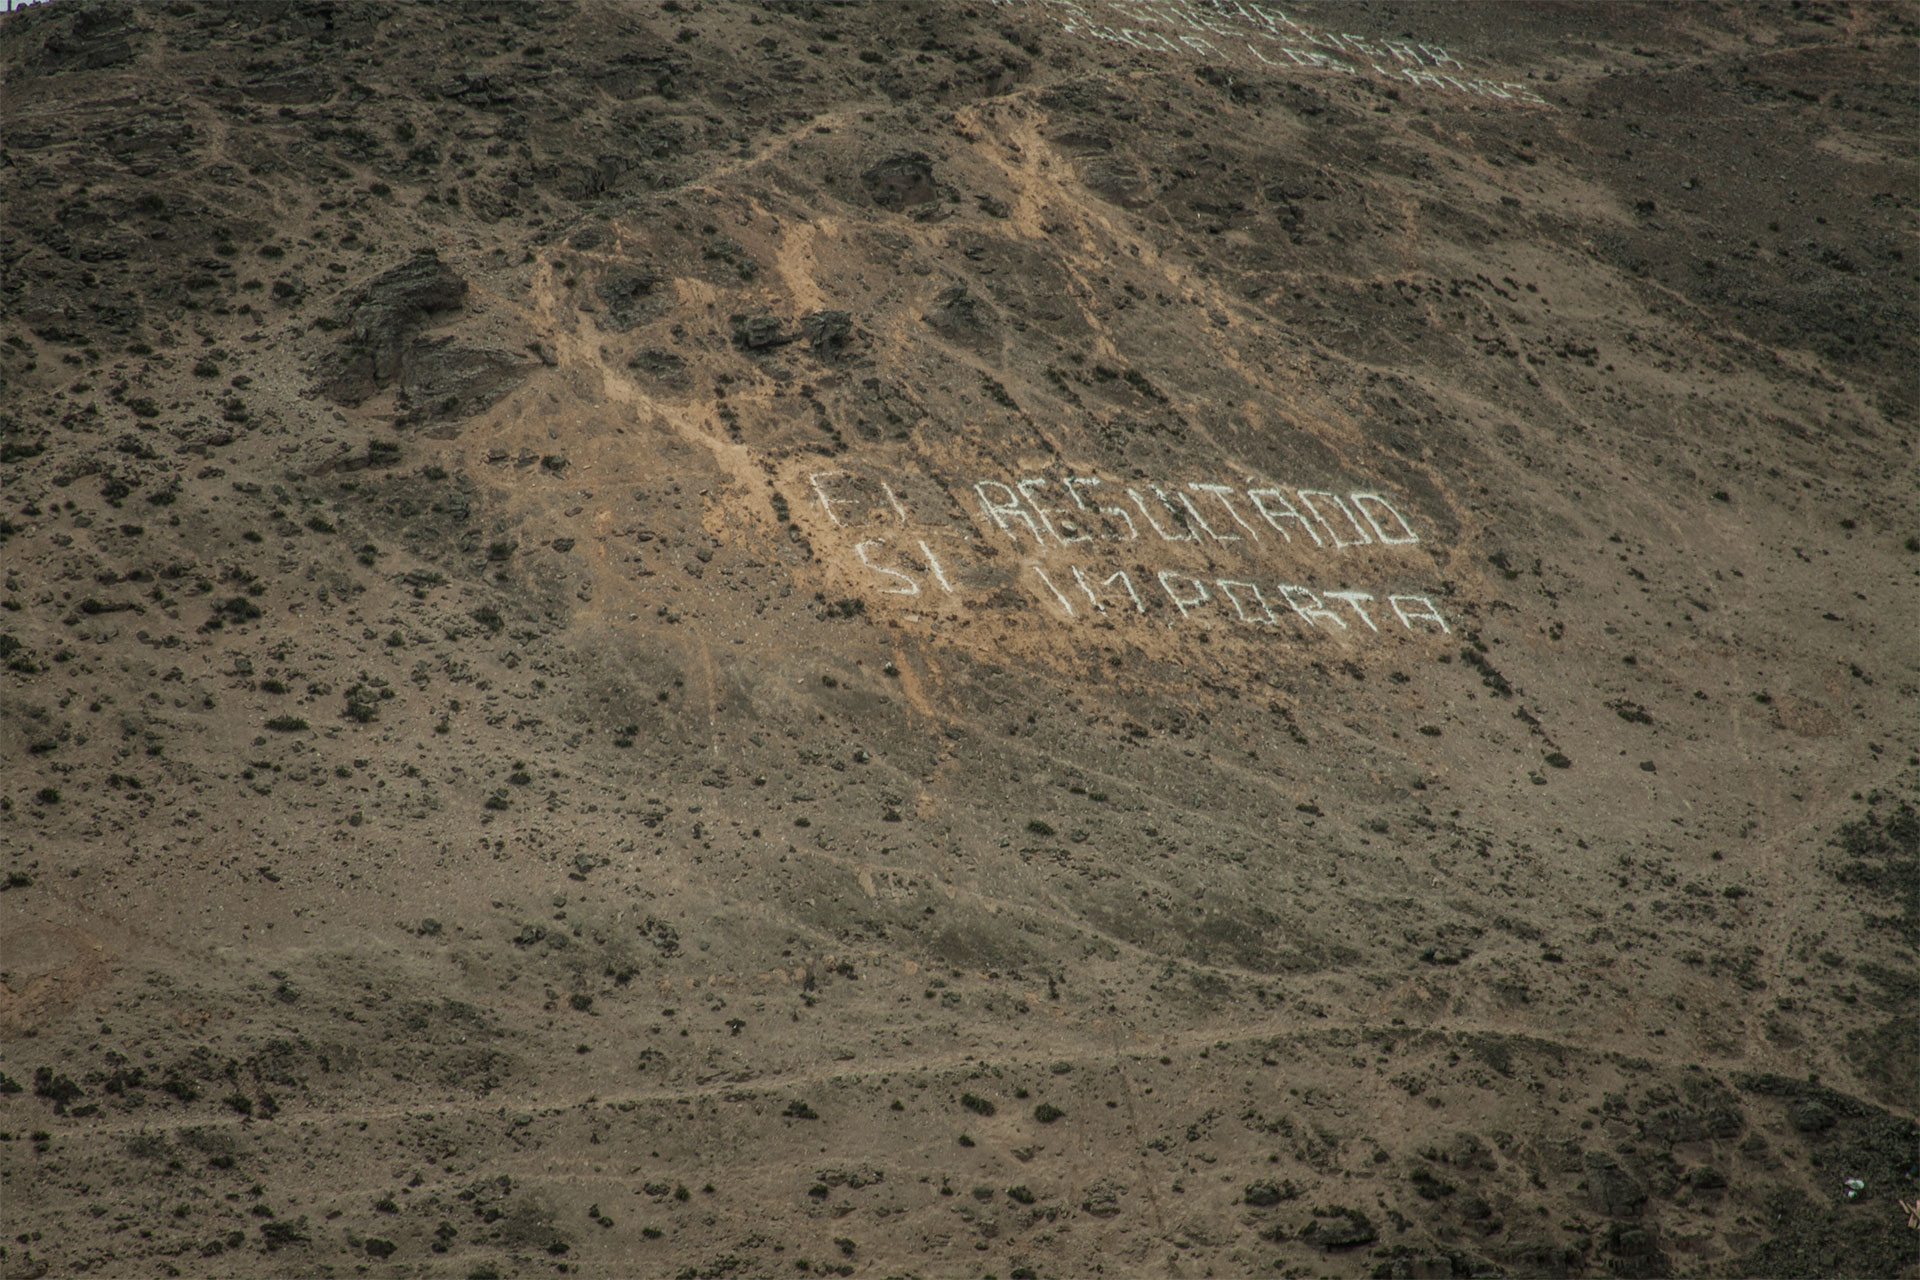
[970, 639]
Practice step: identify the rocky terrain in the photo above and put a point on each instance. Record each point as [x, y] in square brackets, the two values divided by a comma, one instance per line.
[984, 639]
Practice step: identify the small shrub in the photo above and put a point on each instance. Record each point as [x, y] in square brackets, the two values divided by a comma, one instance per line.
[977, 1104]
[1631, 712]
[287, 724]
[801, 1111]
[1265, 1192]
[61, 1091]
[1038, 827]
[1047, 1113]
[280, 1233]
[363, 704]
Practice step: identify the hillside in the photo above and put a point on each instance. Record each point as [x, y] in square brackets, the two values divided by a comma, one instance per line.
[988, 639]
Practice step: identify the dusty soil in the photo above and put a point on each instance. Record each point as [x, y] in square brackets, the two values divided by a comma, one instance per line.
[959, 640]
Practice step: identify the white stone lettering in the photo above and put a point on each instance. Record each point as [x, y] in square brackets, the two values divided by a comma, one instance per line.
[1056, 591]
[1247, 30]
[1193, 513]
[1092, 592]
[1010, 508]
[911, 588]
[1221, 491]
[1026, 488]
[933, 563]
[1426, 610]
[1308, 495]
[1311, 608]
[1353, 599]
[893, 500]
[820, 491]
[1073, 485]
[1184, 605]
[1422, 77]
[1086, 588]
[1188, 536]
[1126, 582]
[1287, 511]
[1406, 536]
[1265, 616]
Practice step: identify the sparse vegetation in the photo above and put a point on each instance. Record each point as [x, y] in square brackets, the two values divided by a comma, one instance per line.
[500, 703]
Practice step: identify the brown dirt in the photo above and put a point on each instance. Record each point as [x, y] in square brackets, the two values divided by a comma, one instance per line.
[572, 703]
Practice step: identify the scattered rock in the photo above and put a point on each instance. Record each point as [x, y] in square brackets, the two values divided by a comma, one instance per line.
[442, 379]
[383, 316]
[902, 181]
[1102, 1199]
[1341, 1229]
[760, 333]
[1613, 1190]
[957, 312]
[1264, 1192]
[658, 363]
[1634, 1253]
[827, 330]
[622, 294]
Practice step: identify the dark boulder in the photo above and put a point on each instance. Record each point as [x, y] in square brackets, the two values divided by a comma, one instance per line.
[827, 330]
[383, 316]
[760, 333]
[1347, 1229]
[622, 294]
[1614, 1191]
[902, 181]
[957, 312]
